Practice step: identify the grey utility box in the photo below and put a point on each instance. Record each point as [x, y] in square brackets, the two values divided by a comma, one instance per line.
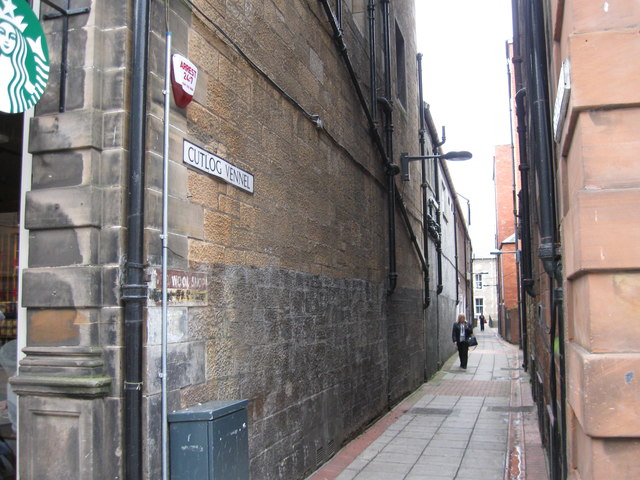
[209, 442]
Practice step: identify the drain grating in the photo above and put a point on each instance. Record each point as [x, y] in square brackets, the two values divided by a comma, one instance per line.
[430, 411]
[524, 409]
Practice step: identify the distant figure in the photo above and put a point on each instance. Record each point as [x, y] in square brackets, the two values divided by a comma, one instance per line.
[482, 322]
[462, 330]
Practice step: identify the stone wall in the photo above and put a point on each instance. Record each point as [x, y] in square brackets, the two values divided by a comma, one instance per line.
[297, 316]
[68, 380]
[297, 320]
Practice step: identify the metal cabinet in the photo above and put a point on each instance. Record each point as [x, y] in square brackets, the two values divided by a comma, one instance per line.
[209, 442]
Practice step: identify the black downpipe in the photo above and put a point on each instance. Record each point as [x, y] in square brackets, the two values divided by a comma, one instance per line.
[388, 128]
[440, 287]
[423, 185]
[434, 224]
[563, 381]
[386, 150]
[547, 250]
[134, 288]
[338, 37]
[467, 264]
[455, 246]
[436, 189]
[371, 8]
[525, 260]
[525, 211]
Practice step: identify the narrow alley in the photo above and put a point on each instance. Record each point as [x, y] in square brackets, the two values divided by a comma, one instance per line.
[478, 423]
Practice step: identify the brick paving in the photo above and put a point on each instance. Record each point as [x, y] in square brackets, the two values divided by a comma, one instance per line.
[470, 388]
[478, 423]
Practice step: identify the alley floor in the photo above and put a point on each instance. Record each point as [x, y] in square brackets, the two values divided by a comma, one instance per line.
[479, 423]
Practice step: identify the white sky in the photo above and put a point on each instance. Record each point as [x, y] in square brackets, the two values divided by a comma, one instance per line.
[465, 82]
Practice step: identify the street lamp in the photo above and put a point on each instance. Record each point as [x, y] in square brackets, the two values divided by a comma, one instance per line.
[452, 156]
[500, 252]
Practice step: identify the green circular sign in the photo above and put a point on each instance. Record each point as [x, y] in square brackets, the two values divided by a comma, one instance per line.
[24, 57]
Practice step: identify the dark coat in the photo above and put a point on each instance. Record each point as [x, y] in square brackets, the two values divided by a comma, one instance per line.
[455, 334]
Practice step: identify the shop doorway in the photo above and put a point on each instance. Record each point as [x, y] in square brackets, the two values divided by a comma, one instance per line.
[11, 145]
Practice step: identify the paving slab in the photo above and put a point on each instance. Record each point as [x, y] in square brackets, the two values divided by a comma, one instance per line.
[459, 425]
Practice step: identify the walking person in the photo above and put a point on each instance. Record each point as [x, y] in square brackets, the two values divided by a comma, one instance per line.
[462, 330]
[482, 322]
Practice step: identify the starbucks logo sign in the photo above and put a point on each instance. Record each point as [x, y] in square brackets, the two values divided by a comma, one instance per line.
[24, 57]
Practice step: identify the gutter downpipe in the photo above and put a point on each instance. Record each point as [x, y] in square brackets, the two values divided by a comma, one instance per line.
[436, 230]
[455, 246]
[134, 289]
[391, 185]
[440, 286]
[424, 186]
[526, 272]
[547, 250]
[388, 126]
[371, 8]
[525, 237]
[433, 135]
[386, 151]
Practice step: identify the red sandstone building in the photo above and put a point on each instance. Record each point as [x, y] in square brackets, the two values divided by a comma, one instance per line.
[506, 239]
[577, 74]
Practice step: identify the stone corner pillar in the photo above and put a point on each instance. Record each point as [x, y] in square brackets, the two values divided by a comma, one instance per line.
[62, 412]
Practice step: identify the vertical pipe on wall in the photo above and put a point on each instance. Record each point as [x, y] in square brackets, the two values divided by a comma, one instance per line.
[455, 247]
[436, 189]
[525, 234]
[391, 185]
[371, 8]
[165, 252]
[134, 290]
[387, 150]
[423, 185]
[547, 251]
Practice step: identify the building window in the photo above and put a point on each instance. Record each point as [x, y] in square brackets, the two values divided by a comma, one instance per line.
[479, 306]
[478, 278]
[401, 74]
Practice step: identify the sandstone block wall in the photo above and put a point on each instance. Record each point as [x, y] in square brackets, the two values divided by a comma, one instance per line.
[297, 320]
[599, 192]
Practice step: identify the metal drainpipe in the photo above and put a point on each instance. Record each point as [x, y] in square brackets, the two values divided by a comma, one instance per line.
[134, 289]
[424, 185]
[371, 8]
[436, 190]
[527, 275]
[440, 287]
[468, 262]
[386, 150]
[391, 185]
[455, 246]
[547, 250]
[525, 238]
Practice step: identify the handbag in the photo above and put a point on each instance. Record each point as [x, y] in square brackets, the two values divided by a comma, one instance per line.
[472, 341]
